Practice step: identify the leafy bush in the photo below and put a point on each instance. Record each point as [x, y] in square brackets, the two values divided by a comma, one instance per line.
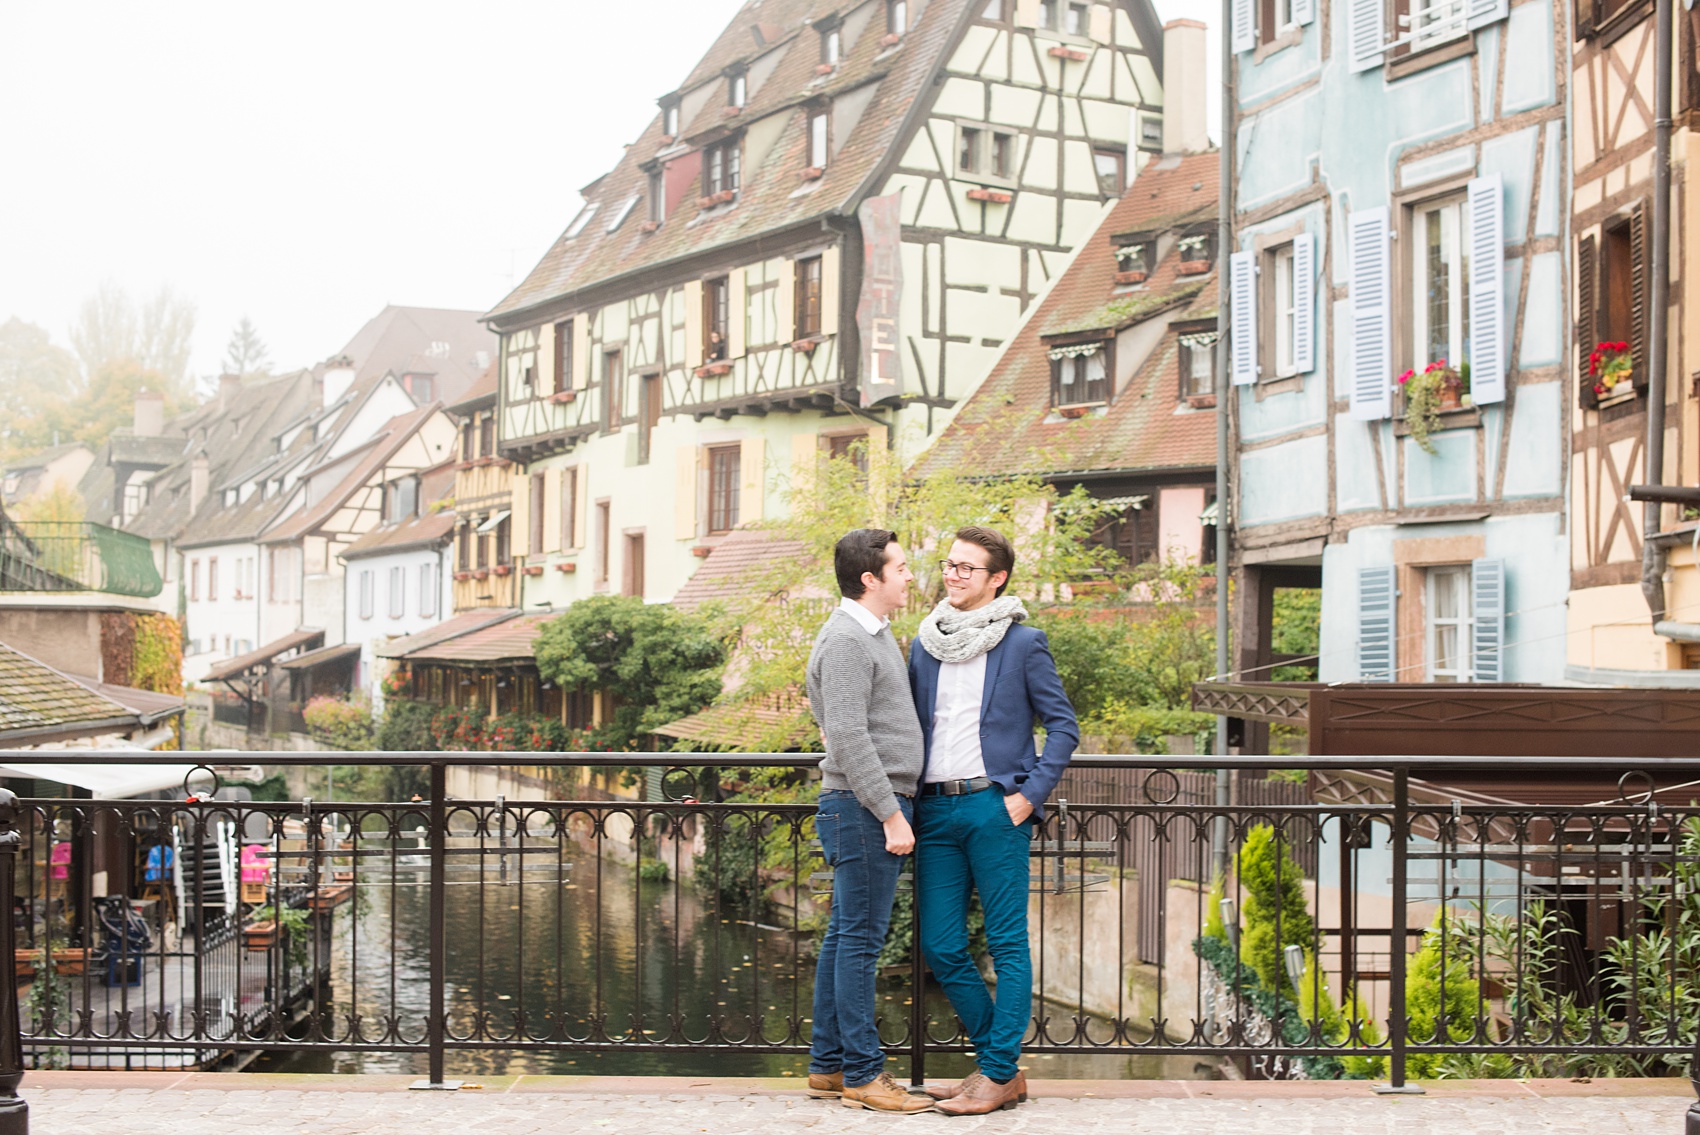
[339, 724]
[1440, 989]
[1276, 914]
[406, 727]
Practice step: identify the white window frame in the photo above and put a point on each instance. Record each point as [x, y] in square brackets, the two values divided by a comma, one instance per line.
[1285, 362]
[366, 588]
[1439, 21]
[1463, 624]
[1453, 218]
[817, 139]
[738, 89]
[398, 592]
[427, 591]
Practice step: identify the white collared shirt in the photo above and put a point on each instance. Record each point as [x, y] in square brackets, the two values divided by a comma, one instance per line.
[956, 721]
[868, 620]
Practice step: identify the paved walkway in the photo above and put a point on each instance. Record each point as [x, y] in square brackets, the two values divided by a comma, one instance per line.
[148, 1103]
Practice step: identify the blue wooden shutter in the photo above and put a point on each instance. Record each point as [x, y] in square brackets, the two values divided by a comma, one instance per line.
[1242, 315]
[1244, 25]
[1487, 602]
[1304, 12]
[1487, 289]
[1304, 303]
[1377, 592]
[1372, 315]
[1365, 33]
[1483, 12]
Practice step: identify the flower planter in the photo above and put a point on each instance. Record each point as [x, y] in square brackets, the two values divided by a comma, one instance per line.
[990, 196]
[462, 576]
[481, 573]
[705, 202]
[702, 551]
[805, 346]
[328, 898]
[261, 935]
[725, 196]
[503, 569]
[1073, 55]
[1130, 277]
[825, 68]
[566, 568]
[1074, 411]
[714, 370]
[668, 139]
[890, 39]
[649, 227]
[533, 569]
[813, 173]
[561, 397]
[1451, 398]
[1193, 267]
[1201, 401]
[67, 961]
[732, 111]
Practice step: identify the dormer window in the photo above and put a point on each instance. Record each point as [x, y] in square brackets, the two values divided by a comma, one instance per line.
[896, 17]
[832, 46]
[1080, 374]
[670, 119]
[1198, 362]
[737, 89]
[1197, 251]
[817, 139]
[720, 168]
[656, 196]
[1133, 261]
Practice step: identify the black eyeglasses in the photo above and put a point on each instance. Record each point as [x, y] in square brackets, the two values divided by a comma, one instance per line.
[961, 571]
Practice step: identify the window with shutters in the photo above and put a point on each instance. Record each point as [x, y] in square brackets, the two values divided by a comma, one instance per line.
[985, 154]
[1280, 262]
[1198, 364]
[1423, 24]
[1450, 629]
[1439, 265]
[716, 318]
[1612, 285]
[463, 546]
[632, 568]
[604, 533]
[537, 501]
[808, 299]
[564, 355]
[487, 435]
[1274, 17]
[569, 509]
[852, 447]
[649, 411]
[1607, 18]
[504, 541]
[1130, 532]
[725, 482]
[398, 592]
[427, 591]
[721, 173]
[613, 389]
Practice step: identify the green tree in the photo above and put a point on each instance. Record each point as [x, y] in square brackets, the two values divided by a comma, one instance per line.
[1276, 913]
[658, 663]
[35, 375]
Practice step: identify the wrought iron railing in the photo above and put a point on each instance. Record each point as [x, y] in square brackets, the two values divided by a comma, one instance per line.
[76, 556]
[1368, 933]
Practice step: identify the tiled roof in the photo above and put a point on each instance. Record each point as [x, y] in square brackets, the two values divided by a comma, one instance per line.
[781, 59]
[462, 624]
[479, 395]
[779, 723]
[148, 706]
[449, 343]
[36, 697]
[510, 640]
[390, 438]
[417, 532]
[744, 556]
[41, 457]
[1009, 424]
[320, 657]
[301, 637]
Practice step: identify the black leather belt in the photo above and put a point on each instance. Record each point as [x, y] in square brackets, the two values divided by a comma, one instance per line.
[956, 787]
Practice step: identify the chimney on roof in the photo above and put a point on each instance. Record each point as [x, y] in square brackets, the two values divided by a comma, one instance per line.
[1184, 114]
[199, 475]
[150, 413]
[338, 377]
[228, 385]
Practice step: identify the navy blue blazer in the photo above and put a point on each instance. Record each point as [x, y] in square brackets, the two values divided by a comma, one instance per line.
[1022, 687]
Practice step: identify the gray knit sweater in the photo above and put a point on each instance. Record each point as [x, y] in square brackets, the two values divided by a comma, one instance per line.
[859, 691]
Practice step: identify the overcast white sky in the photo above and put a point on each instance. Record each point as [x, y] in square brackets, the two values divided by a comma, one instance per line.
[305, 164]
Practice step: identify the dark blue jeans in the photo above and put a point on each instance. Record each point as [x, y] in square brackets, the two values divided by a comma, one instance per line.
[963, 844]
[864, 883]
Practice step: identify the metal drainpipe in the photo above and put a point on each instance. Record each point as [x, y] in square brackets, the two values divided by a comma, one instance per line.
[1653, 557]
[1224, 397]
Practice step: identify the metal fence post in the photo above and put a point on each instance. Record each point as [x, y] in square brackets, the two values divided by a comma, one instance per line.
[436, 1029]
[14, 1112]
[1397, 1018]
[917, 984]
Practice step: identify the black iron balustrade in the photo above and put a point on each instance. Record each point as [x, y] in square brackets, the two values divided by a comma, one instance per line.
[1386, 936]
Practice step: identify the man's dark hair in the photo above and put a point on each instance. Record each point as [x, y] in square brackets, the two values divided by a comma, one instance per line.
[860, 550]
[1000, 553]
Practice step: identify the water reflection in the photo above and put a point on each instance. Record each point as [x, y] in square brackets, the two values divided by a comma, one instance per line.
[577, 948]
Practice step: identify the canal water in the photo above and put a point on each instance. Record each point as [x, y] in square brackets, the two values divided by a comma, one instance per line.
[585, 948]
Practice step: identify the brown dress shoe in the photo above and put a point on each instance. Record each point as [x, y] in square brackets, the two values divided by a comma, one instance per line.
[883, 1094]
[951, 1091]
[826, 1085]
[982, 1094]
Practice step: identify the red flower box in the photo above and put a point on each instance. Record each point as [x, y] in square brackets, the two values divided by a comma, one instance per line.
[713, 370]
[890, 39]
[724, 196]
[1193, 267]
[705, 202]
[824, 68]
[481, 573]
[462, 576]
[732, 111]
[990, 196]
[1068, 53]
[568, 567]
[813, 173]
[702, 551]
[1201, 401]
[533, 569]
[667, 139]
[561, 396]
[1130, 277]
[503, 569]
[805, 346]
[649, 226]
[1073, 411]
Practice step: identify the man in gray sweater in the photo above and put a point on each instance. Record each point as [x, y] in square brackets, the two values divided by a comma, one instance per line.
[859, 691]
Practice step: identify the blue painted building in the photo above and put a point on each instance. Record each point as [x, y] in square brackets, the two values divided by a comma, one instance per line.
[1400, 200]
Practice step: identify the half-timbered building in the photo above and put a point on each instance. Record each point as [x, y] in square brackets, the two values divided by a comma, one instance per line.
[486, 572]
[1400, 204]
[827, 232]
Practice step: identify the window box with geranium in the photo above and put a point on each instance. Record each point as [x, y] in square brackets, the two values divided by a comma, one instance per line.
[1434, 390]
[1611, 366]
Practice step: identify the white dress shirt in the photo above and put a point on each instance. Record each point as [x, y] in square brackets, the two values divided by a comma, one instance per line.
[870, 622]
[956, 721]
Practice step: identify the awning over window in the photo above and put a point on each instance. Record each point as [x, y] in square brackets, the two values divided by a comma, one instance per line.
[495, 519]
[107, 782]
[1075, 350]
[323, 656]
[242, 663]
[1126, 502]
[1208, 516]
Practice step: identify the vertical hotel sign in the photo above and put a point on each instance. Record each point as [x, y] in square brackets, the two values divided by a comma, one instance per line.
[882, 292]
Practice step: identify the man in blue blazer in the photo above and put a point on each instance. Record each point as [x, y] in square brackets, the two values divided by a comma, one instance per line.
[981, 679]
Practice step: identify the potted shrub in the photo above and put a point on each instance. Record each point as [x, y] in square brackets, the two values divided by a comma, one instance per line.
[1438, 388]
[1610, 365]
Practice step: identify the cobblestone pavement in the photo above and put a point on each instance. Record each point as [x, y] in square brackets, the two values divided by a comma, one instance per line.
[101, 1104]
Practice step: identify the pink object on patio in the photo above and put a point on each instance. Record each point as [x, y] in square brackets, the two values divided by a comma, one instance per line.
[254, 867]
[61, 860]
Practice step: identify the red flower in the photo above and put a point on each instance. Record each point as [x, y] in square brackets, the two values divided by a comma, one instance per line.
[1599, 389]
[1623, 346]
[1406, 377]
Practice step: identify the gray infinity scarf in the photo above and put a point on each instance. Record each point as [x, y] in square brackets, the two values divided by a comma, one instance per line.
[950, 635]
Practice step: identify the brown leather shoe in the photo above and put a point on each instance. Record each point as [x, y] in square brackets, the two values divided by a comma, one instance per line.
[951, 1091]
[826, 1085]
[982, 1094]
[882, 1094]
